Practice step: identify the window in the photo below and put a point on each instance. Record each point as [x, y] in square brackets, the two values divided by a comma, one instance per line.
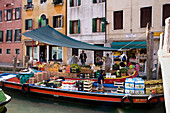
[57, 1]
[1, 36]
[0, 50]
[43, 21]
[75, 27]
[118, 20]
[98, 1]
[145, 16]
[9, 35]
[17, 51]
[9, 14]
[58, 21]
[17, 13]
[166, 13]
[8, 51]
[75, 51]
[98, 24]
[28, 24]
[17, 36]
[75, 3]
[42, 1]
[0, 16]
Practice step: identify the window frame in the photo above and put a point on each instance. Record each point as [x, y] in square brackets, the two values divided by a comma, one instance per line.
[43, 1]
[55, 22]
[98, 1]
[72, 3]
[15, 35]
[99, 25]
[7, 51]
[1, 16]
[16, 13]
[143, 10]
[27, 24]
[7, 14]
[8, 36]
[0, 50]
[118, 25]
[16, 52]
[164, 15]
[74, 26]
[2, 36]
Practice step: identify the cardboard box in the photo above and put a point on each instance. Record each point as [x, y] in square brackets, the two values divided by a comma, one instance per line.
[139, 91]
[129, 91]
[129, 83]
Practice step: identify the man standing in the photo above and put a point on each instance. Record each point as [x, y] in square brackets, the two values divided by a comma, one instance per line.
[100, 81]
[74, 59]
[123, 57]
[108, 62]
[42, 57]
[55, 56]
[83, 57]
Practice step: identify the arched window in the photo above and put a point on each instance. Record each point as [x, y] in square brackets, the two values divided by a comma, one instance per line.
[43, 21]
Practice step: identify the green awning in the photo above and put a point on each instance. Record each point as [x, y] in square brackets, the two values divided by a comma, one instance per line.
[129, 45]
[49, 35]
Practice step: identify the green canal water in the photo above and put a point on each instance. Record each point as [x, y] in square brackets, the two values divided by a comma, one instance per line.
[35, 103]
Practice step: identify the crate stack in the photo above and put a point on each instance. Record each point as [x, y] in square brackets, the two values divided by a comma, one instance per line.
[87, 76]
[87, 86]
[80, 85]
[129, 86]
[139, 86]
[120, 87]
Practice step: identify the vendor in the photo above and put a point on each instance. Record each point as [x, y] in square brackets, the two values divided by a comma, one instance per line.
[100, 80]
[74, 59]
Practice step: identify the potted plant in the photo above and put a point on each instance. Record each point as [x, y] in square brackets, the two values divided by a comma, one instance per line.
[123, 71]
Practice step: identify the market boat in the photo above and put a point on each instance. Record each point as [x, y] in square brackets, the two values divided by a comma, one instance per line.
[4, 99]
[13, 82]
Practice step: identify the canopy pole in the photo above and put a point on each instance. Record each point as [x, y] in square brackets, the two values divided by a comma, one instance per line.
[32, 51]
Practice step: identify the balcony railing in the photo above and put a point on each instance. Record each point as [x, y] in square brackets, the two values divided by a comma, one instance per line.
[29, 6]
[57, 2]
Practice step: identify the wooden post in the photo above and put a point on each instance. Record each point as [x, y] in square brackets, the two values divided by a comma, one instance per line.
[148, 71]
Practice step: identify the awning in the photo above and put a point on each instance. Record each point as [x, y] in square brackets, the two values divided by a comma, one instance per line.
[50, 36]
[128, 45]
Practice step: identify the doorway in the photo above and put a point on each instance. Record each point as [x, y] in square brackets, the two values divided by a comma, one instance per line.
[43, 49]
[100, 53]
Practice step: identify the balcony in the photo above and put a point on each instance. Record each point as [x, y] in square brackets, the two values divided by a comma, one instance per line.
[57, 2]
[29, 6]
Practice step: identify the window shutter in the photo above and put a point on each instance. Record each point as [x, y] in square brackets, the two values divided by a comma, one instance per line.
[39, 23]
[0, 16]
[54, 21]
[62, 21]
[5, 15]
[94, 1]
[79, 2]
[13, 14]
[26, 24]
[94, 25]
[103, 0]
[6, 35]
[78, 26]
[20, 34]
[11, 35]
[104, 24]
[71, 27]
[47, 21]
[71, 3]
[15, 33]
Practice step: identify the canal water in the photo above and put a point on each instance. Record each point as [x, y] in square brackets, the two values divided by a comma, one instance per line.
[36, 103]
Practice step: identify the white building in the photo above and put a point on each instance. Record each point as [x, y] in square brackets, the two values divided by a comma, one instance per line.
[86, 22]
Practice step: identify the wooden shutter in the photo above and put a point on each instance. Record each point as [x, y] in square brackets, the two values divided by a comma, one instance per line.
[94, 25]
[146, 16]
[20, 34]
[47, 21]
[166, 13]
[78, 26]
[118, 20]
[5, 15]
[103, 0]
[0, 16]
[13, 14]
[39, 23]
[6, 35]
[26, 24]
[104, 24]
[11, 36]
[71, 3]
[94, 1]
[62, 21]
[71, 27]
[54, 21]
[1, 36]
[15, 35]
[79, 2]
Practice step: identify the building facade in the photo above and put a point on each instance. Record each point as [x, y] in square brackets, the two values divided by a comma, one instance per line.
[86, 22]
[39, 13]
[10, 30]
[128, 21]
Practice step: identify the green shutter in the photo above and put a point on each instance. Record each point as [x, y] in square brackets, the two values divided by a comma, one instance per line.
[1, 36]
[7, 35]
[103, 25]
[71, 27]
[61, 20]
[15, 33]
[94, 25]
[47, 21]
[79, 2]
[26, 24]
[39, 23]
[54, 22]
[11, 35]
[71, 3]
[94, 1]
[78, 26]
[103, 0]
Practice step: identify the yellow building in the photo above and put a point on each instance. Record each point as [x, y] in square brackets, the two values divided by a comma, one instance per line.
[39, 13]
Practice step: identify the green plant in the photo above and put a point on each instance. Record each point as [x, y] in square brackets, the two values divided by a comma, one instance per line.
[76, 66]
[123, 70]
